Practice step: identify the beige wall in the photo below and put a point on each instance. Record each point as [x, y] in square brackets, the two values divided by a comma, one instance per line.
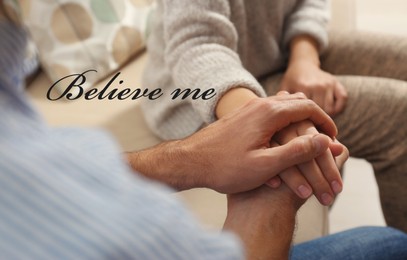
[343, 14]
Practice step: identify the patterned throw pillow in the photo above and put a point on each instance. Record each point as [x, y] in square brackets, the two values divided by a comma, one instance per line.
[73, 36]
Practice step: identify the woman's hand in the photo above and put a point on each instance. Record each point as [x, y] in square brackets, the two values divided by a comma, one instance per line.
[320, 176]
[318, 85]
[305, 75]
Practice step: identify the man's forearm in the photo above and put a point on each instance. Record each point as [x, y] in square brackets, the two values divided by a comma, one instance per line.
[265, 221]
[266, 238]
[168, 163]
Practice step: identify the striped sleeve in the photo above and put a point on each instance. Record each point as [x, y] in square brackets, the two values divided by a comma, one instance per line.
[67, 194]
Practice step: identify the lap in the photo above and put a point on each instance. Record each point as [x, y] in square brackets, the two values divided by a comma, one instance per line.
[366, 54]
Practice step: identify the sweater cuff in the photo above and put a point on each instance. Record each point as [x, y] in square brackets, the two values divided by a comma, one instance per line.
[309, 27]
[213, 66]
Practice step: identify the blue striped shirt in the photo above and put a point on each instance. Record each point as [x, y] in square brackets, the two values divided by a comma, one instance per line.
[67, 193]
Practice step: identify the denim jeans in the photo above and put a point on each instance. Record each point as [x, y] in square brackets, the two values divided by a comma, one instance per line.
[370, 243]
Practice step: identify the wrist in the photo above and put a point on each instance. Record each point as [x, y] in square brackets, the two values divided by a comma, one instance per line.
[306, 63]
[166, 163]
[304, 49]
[232, 100]
[264, 220]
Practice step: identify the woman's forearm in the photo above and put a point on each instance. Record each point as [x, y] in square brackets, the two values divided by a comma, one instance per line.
[304, 49]
[233, 99]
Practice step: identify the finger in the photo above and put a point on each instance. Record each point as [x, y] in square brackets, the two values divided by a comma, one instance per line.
[319, 184]
[342, 158]
[272, 161]
[341, 96]
[329, 104]
[336, 148]
[274, 182]
[324, 165]
[306, 128]
[330, 171]
[293, 178]
[287, 134]
[288, 112]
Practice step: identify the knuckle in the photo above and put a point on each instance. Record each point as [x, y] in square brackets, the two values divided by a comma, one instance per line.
[310, 103]
[332, 82]
[273, 107]
[305, 146]
[303, 82]
[283, 92]
[300, 95]
[262, 104]
[267, 105]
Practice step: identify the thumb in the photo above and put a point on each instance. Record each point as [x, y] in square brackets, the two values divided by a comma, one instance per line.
[336, 148]
[299, 150]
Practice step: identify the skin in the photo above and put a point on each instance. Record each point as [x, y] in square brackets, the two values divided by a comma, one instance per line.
[213, 158]
[263, 218]
[320, 182]
[311, 170]
[321, 176]
[279, 143]
[305, 75]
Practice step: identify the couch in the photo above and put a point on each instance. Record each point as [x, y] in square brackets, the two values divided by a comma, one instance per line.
[123, 119]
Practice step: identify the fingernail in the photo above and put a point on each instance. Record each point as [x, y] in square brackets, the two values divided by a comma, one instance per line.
[336, 187]
[326, 199]
[273, 183]
[304, 191]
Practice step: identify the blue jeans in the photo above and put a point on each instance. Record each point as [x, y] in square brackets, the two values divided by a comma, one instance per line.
[370, 243]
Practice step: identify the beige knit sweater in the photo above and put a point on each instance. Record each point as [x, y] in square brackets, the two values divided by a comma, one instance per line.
[219, 44]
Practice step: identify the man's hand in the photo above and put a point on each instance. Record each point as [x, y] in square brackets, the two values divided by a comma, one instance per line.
[234, 153]
[264, 219]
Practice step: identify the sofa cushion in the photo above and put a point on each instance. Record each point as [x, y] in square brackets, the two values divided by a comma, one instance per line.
[73, 36]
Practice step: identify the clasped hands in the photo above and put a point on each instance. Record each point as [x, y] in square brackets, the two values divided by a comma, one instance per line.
[282, 139]
[286, 138]
[319, 176]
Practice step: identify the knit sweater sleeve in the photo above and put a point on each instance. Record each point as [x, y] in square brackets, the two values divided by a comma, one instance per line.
[201, 51]
[311, 18]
